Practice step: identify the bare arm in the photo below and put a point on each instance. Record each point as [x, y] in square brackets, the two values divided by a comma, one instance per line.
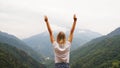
[49, 29]
[72, 29]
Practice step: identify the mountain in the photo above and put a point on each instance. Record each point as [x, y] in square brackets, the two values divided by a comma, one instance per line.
[115, 32]
[103, 52]
[41, 42]
[14, 41]
[12, 57]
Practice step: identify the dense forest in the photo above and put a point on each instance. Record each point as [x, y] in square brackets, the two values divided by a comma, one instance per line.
[104, 53]
[12, 57]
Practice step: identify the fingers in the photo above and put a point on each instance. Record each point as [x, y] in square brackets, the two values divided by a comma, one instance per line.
[74, 17]
[45, 18]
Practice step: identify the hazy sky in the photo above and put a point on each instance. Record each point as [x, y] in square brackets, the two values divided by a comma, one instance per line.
[24, 18]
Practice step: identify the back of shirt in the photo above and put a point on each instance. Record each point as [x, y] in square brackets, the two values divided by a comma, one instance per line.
[61, 52]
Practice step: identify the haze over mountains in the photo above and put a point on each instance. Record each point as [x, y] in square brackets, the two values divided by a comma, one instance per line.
[41, 42]
[100, 16]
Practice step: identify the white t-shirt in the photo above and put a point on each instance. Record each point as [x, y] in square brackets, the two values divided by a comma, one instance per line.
[61, 53]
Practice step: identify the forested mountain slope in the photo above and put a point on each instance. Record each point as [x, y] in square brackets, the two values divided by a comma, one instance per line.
[14, 41]
[103, 52]
[12, 57]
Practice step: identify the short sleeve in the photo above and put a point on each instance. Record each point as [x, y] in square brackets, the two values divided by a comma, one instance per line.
[68, 44]
[55, 44]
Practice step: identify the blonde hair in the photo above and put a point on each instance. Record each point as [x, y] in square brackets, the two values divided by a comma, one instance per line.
[61, 38]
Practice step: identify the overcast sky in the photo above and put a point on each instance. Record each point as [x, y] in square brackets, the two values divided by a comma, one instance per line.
[24, 18]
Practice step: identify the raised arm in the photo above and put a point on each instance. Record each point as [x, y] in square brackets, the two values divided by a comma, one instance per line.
[49, 29]
[72, 29]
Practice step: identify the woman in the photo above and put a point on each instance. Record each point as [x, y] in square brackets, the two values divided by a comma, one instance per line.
[61, 46]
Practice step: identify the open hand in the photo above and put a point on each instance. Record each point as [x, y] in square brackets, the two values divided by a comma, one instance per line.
[46, 18]
[74, 17]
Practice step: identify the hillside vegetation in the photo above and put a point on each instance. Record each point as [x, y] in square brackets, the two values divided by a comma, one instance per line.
[104, 53]
[12, 57]
[16, 42]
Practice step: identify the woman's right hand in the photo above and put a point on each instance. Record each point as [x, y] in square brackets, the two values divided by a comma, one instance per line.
[74, 17]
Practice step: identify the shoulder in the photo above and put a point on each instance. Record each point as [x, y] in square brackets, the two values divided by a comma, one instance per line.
[67, 45]
[68, 42]
[54, 44]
